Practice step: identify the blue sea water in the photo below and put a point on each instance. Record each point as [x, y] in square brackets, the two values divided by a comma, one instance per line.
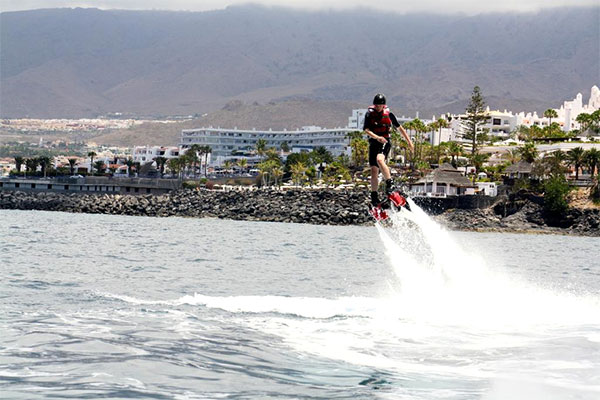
[102, 306]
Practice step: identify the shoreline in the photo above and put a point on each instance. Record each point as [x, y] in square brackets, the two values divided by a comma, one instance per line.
[508, 214]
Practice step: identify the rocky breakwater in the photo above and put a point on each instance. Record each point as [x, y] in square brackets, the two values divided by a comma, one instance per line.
[523, 212]
[326, 207]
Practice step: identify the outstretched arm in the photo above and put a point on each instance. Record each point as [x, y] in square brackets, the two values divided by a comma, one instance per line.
[407, 138]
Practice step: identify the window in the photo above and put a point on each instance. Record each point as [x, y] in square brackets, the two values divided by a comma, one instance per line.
[496, 121]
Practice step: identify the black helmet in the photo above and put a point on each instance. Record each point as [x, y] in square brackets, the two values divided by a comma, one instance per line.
[379, 99]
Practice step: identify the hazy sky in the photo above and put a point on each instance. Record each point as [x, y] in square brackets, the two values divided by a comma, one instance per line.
[441, 6]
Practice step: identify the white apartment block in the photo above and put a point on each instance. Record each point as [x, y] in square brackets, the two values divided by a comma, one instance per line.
[144, 154]
[569, 111]
[225, 143]
[502, 123]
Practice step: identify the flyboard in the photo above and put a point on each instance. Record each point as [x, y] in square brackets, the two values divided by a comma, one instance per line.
[394, 201]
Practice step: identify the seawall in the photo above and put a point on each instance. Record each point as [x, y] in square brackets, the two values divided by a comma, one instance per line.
[323, 207]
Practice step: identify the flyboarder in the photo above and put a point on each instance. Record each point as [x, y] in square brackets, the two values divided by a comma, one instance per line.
[378, 124]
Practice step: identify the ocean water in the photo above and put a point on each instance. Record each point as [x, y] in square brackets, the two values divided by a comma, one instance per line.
[101, 306]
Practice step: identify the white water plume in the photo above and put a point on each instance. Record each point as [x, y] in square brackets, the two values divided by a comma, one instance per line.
[441, 282]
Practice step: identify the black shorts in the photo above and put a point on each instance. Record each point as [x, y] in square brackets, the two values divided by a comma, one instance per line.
[375, 148]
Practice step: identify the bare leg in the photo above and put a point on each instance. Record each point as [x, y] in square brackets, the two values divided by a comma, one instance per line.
[384, 168]
[374, 179]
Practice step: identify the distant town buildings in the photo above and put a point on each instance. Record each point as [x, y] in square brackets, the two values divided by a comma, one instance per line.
[71, 125]
[233, 143]
[503, 123]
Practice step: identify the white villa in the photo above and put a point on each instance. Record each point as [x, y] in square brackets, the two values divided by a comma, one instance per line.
[443, 181]
[144, 154]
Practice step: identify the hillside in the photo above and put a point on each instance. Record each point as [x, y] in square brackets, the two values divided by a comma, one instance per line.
[88, 62]
[278, 116]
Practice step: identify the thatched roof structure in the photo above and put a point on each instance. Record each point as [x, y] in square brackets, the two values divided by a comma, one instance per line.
[446, 174]
[522, 167]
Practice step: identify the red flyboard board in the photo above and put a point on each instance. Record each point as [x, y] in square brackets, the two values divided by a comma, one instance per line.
[378, 213]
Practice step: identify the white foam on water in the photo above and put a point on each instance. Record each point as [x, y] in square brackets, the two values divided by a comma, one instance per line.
[307, 307]
[448, 315]
[441, 282]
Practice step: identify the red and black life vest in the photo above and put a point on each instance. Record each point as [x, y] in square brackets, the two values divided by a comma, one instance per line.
[380, 121]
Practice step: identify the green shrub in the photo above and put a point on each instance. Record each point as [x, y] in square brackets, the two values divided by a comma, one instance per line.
[556, 190]
[190, 184]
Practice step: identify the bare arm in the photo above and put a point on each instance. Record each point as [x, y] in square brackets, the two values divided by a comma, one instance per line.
[407, 138]
[372, 135]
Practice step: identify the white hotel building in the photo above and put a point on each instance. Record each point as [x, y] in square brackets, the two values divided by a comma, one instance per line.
[225, 143]
[144, 154]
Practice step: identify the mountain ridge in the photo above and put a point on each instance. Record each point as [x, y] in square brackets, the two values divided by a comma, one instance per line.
[89, 62]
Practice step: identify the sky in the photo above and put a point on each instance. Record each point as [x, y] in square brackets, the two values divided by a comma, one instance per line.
[399, 6]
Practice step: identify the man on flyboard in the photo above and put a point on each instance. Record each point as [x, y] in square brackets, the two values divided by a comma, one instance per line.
[378, 124]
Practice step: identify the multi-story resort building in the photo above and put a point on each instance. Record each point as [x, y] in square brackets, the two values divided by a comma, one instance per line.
[144, 154]
[233, 143]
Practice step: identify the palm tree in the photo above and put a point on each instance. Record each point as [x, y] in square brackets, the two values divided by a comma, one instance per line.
[137, 166]
[575, 157]
[243, 164]
[129, 164]
[160, 163]
[584, 120]
[298, 170]
[206, 150]
[528, 152]
[45, 163]
[536, 132]
[99, 165]
[321, 155]
[271, 155]
[553, 163]
[360, 149]
[265, 168]
[18, 163]
[72, 162]
[227, 165]
[311, 174]
[193, 155]
[261, 146]
[176, 166]
[285, 147]
[419, 127]
[550, 113]
[277, 173]
[31, 165]
[592, 160]
[91, 155]
[478, 159]
[440, 124]
[455, 150]
[595, 121]
[513, 156]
